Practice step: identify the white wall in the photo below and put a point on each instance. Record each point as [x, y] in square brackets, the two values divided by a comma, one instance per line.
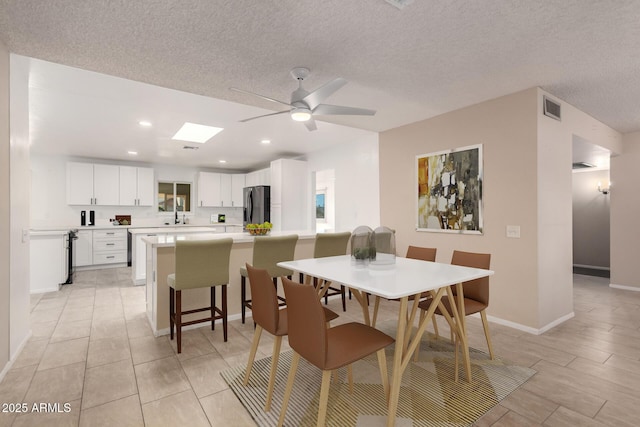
[357, 182]
[49, 201]
[591, 237]
[5, 218]
[19, 197]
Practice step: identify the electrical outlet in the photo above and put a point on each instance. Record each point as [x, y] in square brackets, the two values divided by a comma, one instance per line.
[513, 231]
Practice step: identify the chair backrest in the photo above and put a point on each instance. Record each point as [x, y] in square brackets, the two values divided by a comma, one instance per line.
[268, 251]
[478, 289]
[307, 326]
[424, 254]
[264, 305]
[202, 263]
[331, 244]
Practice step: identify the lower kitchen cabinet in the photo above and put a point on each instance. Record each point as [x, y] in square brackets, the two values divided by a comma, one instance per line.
[83, 249]
[48, 261]
[109, 246]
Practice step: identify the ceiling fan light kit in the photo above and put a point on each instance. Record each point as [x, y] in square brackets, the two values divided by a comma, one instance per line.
[305, 104]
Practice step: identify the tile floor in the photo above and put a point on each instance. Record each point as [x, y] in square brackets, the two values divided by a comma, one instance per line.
[92, 349]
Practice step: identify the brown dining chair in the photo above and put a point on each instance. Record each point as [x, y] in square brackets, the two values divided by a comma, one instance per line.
[326, 348]
[199, 264]
[413, 252]
[475, 292]
[268, 251]
[268, 315]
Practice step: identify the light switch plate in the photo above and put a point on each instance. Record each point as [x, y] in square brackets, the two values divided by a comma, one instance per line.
[513, 231]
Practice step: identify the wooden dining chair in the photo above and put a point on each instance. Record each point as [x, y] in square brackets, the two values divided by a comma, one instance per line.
[199, 264]
[413, 252]
[268, 316]
[475, 292]
[326, 348]
[267, 253]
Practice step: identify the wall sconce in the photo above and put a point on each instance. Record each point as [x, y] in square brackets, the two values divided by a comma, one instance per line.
[604, 191]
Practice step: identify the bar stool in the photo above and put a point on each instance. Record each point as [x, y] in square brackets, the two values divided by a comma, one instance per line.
[199, 264]
[332, 244]
[267, 253]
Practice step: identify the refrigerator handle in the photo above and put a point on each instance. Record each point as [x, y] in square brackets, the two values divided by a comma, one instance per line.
[250, 219]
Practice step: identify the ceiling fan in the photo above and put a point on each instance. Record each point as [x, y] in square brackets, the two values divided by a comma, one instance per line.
[304, 105]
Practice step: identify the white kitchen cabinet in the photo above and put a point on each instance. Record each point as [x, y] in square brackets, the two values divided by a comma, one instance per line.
[225, 190]
[92, 184]
[83, 248]
[48, 261]
[290, 196]
[136, 186]
[237, 186]
[259, 177]
[209, 189]
[109, 246]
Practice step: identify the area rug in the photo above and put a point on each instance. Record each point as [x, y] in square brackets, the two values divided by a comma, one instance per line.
[428, 397]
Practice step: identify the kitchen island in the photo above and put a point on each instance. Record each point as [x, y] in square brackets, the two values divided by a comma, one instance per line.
[160, 262]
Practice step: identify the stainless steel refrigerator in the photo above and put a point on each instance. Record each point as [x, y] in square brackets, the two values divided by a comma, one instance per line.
[257, 204]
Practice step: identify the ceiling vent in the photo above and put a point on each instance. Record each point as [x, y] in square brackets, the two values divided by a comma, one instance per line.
[582, 165]
[551, 108]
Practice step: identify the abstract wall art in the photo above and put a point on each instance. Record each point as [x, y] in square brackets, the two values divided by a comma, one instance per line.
[449, 191]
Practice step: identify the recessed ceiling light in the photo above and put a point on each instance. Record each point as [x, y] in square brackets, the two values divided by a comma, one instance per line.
[132, 153]
[266, 141]
[144, 123]
[222, 161]
[196, 133]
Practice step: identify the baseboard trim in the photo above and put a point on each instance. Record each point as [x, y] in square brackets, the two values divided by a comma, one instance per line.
[9, 364]
[625, 288]
[528, 329]
[592, 267]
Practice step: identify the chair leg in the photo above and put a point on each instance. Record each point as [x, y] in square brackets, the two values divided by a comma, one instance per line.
[287, 392]
[243, 295]
[384, 375]
[416, 353]
[485, 325]
[344, 299]
[213, 308]
[172, 297]
[224, 312]
[252, 354]
[272, 374]
[179, 320]
[435, 326]
[324, 398]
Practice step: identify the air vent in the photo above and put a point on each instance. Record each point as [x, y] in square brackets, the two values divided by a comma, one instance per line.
[400, 4]
[582, 165]
[551, 108]
[190, 147]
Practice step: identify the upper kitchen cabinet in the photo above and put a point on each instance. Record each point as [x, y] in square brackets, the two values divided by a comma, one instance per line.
[289, 195]
[92, 184]
[136, 186]
[237, 186]
[259, 177]
[225, 190]
[209, 194]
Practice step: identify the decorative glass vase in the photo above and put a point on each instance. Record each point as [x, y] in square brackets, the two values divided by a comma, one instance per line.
[384, 243]
[362, 249]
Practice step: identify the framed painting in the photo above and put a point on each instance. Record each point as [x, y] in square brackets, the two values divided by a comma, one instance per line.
[449, 191]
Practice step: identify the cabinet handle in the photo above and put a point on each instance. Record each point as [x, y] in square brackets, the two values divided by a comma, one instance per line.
[111, 256]
[111, 233]
[111, 244]
[200, 203]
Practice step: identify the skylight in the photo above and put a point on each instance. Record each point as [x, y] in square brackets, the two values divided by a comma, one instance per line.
[193, 132]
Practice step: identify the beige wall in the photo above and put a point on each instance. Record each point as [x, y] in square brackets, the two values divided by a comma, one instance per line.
[507, 129]
[4, 209]
[625, 205]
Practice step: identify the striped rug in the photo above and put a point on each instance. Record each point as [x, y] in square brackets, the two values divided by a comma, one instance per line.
[428, 395]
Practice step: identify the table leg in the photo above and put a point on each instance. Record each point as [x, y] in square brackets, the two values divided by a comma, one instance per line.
[457, 309]
[394, 393]
[362, 299]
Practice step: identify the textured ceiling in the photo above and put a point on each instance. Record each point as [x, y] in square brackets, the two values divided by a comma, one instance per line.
[410, 64]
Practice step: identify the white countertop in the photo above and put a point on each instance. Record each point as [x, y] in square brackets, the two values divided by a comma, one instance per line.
[169, 240]
[34, 233]
[132, 227]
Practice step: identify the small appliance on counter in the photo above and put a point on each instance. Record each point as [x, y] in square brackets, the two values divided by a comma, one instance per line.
[83, 218]
[221, 218]
[92, 218]
[123, 219]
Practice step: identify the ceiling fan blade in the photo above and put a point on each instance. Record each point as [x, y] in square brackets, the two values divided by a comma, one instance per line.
[264, 115]
[317, 96]
[260, 96]
[311, 124]
[325, 109]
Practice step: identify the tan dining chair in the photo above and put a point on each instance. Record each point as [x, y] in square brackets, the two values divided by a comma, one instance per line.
[267, 253]
[326, 348]
[199, 264]
[332, 244]
[475, 292]
[268, 316]
[413, 252]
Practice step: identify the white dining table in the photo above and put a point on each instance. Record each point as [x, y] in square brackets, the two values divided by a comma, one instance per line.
[400, 280]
